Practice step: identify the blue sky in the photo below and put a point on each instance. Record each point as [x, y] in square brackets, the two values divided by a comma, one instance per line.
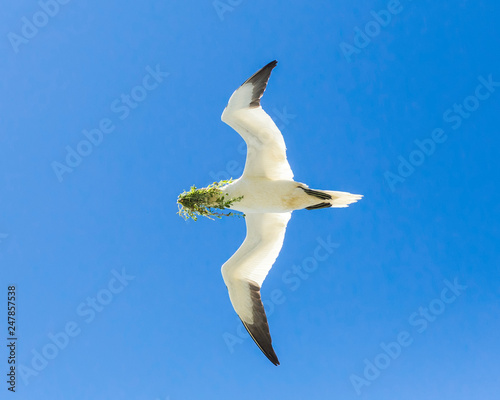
[119, 298]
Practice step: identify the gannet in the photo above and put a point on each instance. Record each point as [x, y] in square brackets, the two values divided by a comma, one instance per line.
[267, 194]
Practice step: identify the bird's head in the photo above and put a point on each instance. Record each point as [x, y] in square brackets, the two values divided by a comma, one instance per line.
[205, 201]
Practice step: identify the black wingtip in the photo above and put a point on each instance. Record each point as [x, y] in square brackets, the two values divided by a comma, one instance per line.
[256, 334]
[272, 64]
[265, 70]
[259, 81]
[259, 329]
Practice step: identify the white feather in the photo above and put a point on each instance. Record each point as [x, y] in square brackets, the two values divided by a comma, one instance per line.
[253, 260]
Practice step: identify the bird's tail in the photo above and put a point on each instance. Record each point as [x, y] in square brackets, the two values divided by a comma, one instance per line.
[330, 198]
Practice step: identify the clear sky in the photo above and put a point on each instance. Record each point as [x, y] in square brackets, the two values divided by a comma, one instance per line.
[109, 111]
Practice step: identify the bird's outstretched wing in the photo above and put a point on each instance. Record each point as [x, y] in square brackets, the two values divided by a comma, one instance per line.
[266, 150]
[245, 271]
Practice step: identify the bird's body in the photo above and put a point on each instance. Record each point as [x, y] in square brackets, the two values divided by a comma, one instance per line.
[262, 195]
[267, 194]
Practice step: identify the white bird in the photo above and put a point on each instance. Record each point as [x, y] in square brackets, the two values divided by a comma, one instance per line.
[269, 195]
